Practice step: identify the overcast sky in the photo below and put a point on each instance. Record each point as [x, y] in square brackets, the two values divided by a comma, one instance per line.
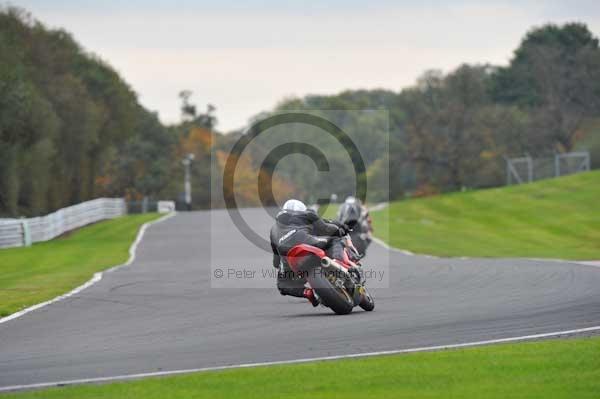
[244, 59]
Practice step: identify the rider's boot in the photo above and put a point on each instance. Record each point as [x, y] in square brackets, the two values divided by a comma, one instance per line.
[310, 295]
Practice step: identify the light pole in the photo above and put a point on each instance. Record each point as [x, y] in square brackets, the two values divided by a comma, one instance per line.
[187, 182]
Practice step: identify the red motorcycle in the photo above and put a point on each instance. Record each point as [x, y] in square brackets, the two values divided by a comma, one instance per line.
[338, 284]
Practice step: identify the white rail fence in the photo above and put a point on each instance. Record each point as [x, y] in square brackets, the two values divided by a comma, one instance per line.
[23, 232]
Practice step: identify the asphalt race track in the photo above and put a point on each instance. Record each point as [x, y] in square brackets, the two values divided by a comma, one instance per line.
[160, 313]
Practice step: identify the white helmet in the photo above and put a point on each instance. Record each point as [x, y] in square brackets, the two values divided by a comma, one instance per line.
[294, 205]
[350, 200]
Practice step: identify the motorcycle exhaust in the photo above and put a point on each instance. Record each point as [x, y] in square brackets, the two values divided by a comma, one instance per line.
[327, 262]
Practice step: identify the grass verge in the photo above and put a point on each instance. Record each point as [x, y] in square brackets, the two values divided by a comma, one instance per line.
[543, 369]
[556, 218]
[48, 269]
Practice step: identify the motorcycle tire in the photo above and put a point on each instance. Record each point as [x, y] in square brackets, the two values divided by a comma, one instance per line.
[367, 302]
[336, 298]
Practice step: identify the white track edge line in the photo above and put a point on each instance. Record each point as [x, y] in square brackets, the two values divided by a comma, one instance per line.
[95, 278]
[126, 377]
[593, 263]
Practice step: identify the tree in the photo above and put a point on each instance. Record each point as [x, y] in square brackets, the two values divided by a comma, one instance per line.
[188, 110]
[190, 115]
[67, 120]
[444, 132]
[555, 73]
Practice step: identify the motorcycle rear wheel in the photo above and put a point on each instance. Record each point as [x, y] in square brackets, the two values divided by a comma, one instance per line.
[336, 298]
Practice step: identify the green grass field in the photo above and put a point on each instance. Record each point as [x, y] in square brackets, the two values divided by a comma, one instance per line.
[556, 218]
[544, 369]
[46, 270]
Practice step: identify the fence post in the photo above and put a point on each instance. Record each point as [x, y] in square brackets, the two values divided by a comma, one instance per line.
[556, 165]
[529, 169]
[587, 161]
[508, 179]
[26, 233]
[145, 204]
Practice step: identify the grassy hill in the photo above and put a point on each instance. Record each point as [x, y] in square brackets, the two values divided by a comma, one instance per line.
[555, 218]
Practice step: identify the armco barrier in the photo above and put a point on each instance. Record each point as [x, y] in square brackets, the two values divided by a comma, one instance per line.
[21, 232]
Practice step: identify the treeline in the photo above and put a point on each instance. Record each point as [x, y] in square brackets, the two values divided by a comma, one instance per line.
[451, 131]
[62, 115]
[71, 129]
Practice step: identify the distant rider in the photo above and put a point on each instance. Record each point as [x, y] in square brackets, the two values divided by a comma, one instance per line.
[295, 224]
[352, 210]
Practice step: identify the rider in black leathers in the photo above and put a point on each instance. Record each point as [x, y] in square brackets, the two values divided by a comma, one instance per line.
[297, 225]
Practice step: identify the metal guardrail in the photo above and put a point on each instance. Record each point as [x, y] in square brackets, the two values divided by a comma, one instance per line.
[23, 232]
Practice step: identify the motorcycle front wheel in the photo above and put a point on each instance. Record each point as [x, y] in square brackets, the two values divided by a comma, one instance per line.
[366, 301]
